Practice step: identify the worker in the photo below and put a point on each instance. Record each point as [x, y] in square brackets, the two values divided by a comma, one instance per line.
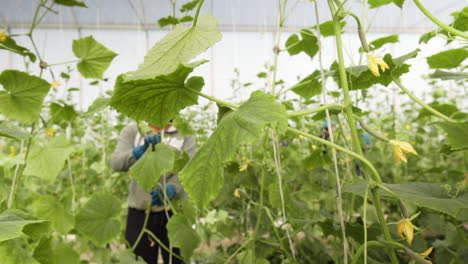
[130, 148]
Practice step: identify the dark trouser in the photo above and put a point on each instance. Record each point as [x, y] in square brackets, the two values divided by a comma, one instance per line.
[147, 248]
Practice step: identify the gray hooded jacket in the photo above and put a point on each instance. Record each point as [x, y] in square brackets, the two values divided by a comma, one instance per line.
[122, 159]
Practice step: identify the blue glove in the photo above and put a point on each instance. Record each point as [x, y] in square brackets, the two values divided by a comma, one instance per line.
[149, 140]
[157, 195]
[152, 140]
[366, 138]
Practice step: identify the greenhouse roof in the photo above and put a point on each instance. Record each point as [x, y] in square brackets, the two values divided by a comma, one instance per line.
[233, 15]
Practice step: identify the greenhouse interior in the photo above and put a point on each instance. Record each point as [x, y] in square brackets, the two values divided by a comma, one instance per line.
[233, 131]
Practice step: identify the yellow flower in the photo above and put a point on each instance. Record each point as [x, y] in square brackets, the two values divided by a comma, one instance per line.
[237, 193]
[243, 167]
[406, 229]
[12, 151]
[3, 36]
[55, 84]
[400, 148]
[426, 253]
[408, 127]
[50, 132]
[374, 63]
[348, 137]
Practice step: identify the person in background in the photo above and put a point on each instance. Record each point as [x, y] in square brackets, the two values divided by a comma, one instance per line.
[130, 148]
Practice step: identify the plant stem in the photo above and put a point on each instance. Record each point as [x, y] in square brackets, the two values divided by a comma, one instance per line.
[160, 243]
[277, 160]
[72, 183]
[195, 20]
[339, 200]
[438, 22]
[237, 251]
[147, 212]
[421, 103]
[316, 110]
[364, 224]
[20, 168]
[211, 98]
[61, 63]
[351, 122]
[342, 149]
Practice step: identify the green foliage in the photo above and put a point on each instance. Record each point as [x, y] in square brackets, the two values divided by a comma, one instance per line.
[360, 77]
[460, 23]
[429, 195]
[49, 208]
[327, 28]
[13, 226]
[15, 252]
[70, 3]
[190, 5]
[182, 235]
[64, 112]
[12, 133]
[169, 20]
[205, 170]
[178, 47]
[152, 165]
[97, 106]
[309, 86]
[378, 43]
[456, 134]
[22, 96]
[307, 44]
[157, 100]
[46, 161]
[10, 45]
[447, 59]
[48, 252]
[379, 3]
[445, 75]
[98, 219]
[95, 58]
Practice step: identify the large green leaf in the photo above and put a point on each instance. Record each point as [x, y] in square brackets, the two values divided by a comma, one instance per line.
[360, 77]
[12, 133]
[97, 106]
[327, 28]
[182, 235]
[447, 59]
[95, 58]
[50, 208]
[308, 43]
[48, 252]
[152, 165]
[63, 112]
[15, 252]
[429, 195]
[446, 109]
[203, 176]
[457, 134]
[47, 161]
[157, 100]
[10, 45]
[23, 95]
[99, 218]
[178, 47]
[12, 225]
[309, 86]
